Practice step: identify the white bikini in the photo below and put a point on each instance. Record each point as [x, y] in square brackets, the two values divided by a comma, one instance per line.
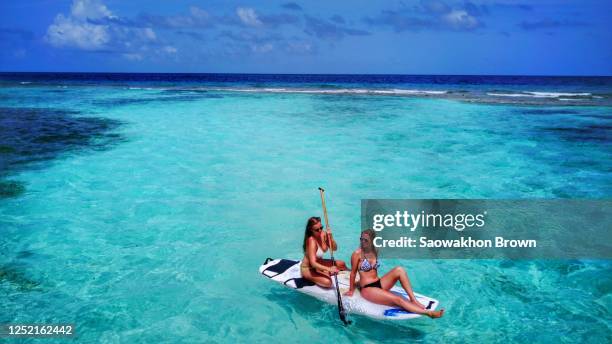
[319, 251]
[319, 255]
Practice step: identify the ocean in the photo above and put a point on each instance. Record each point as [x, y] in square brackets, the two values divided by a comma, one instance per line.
[140, 206]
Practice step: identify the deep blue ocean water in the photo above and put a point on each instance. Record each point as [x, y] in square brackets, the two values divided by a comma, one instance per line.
[139, 206]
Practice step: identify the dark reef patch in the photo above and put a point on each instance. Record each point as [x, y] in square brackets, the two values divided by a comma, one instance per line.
[11, 188]
[12, 274]
[545, 111]
[33, 135]
[600, 116]
[585, 133]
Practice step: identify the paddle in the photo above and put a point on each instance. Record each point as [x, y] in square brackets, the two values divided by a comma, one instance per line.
[341, 310]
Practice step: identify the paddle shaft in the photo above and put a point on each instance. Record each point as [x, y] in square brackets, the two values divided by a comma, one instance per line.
[341, 310]
[322, 192]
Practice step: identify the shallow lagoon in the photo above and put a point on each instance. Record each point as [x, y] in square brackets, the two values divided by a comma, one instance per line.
[147, 217]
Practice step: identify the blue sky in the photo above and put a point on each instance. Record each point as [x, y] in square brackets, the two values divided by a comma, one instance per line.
[396, 37]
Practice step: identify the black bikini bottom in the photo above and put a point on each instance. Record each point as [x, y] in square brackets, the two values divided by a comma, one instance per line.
[375, 284]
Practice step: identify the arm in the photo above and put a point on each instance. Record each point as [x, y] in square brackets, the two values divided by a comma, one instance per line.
[324, 242]
[354, 267]
[311, 253]
[330, 241]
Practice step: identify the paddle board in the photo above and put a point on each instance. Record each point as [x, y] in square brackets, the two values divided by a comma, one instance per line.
[287, 272]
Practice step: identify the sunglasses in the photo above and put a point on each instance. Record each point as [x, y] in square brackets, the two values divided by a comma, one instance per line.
[318, 229]
[364, 239]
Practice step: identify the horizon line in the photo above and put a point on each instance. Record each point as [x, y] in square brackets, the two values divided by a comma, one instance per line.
[362, 74]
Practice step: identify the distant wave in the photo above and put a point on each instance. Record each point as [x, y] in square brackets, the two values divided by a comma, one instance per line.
[139, 88]
[540, 94]
[474, 95]
[335, 91]
[25, 82]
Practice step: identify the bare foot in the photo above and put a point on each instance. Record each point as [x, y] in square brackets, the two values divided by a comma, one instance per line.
[435, 314]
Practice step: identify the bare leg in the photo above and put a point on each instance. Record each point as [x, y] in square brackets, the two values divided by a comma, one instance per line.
[341, 265]
[386, 297]
[320, 279]
[399, 274]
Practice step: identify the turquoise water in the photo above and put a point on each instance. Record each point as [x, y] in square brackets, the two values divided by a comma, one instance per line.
[149, 222]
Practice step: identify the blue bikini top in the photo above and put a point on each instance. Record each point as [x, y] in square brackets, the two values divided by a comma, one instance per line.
[366, 266]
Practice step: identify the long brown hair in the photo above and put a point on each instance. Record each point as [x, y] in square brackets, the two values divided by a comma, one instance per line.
[308, 231]
[371, 235]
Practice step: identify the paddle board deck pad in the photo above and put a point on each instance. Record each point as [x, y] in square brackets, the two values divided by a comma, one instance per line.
[287, 272]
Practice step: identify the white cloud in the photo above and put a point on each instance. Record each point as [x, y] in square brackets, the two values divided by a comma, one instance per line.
[170, 49]
[92, 9]
[299, 47]
[197, 18]
[248, 16]
[460, 19]
[132, 56]
[198, 12]
[91, 26]
[150, 34]
[262, 48]
[70, 32]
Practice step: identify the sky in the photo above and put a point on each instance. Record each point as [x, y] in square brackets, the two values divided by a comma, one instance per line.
[498, 37]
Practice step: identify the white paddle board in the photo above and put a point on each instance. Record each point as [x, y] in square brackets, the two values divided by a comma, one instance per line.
[287, 272]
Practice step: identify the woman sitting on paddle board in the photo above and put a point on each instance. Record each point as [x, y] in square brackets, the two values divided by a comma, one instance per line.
[374, 289]
[316, 243]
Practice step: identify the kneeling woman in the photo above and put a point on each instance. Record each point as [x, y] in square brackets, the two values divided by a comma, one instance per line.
[316, 243]
[375, 289]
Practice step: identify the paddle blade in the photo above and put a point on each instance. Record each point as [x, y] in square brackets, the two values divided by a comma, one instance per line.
[343, 317]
